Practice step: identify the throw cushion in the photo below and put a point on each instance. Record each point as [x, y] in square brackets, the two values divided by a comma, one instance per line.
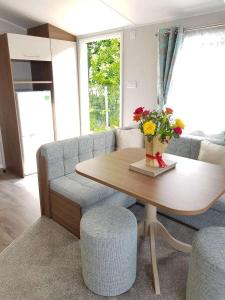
[212, 153]
[128, 138]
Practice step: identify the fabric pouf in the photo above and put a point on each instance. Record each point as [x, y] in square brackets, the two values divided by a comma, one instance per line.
[206, 278]
[108, 240]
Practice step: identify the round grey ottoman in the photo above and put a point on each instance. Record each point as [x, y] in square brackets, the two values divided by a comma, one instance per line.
[108, 240]
[206, 278]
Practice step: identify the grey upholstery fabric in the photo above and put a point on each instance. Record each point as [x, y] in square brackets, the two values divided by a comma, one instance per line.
[189, 146]
[186, 146]
[88, 193]
[116, 199]
[108, 240]
[217, 141]
[53, 153]
[62, 158]
[81, 190]
[211, 217]
[206, 278]
[220, 206]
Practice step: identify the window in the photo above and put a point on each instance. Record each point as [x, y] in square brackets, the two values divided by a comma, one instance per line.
[197, 91]
[100, 69]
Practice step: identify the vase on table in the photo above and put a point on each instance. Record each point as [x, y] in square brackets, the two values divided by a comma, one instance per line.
[154, 152]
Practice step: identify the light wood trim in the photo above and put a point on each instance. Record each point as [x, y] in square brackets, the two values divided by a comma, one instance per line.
[154, 259]
[50, 31]
[66, 212]
[64, 62]
[42, 169]
[154, 227]
[189, 189]
[31, 82]
[8, 113]
[178, 245]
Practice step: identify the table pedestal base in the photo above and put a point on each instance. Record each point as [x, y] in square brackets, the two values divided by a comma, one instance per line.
[152, 227]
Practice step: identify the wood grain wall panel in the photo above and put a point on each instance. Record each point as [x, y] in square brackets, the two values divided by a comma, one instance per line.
[65, 212]
[48, 30]
[43, 185]
[42, 70]
[8, 113]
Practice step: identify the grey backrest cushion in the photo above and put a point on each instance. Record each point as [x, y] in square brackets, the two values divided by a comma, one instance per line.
[186, 146]
[63, 156]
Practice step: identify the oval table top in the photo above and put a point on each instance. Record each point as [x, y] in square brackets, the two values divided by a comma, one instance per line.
[188, 189]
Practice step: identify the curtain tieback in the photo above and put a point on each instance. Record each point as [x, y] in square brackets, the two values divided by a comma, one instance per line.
[158, 157]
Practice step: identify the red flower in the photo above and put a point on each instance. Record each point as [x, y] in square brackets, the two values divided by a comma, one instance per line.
[139, 110]
[145, 113]
[177, 130]
[169, 111]
[136, 117]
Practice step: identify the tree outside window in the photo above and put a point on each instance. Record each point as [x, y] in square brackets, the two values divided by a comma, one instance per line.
[104, 84]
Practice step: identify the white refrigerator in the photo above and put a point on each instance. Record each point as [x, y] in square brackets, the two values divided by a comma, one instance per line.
[36, 125]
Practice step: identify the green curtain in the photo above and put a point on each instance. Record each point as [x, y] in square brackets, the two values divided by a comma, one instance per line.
[169, 43]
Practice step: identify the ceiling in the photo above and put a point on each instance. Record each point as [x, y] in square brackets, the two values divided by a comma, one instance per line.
[87, 16]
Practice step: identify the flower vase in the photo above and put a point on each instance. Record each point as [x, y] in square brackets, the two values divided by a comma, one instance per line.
[154, 152]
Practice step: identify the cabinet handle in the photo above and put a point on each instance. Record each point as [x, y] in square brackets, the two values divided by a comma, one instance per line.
[31, 56]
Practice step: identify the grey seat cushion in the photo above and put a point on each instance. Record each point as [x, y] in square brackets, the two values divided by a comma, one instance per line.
[116, 199]
[220, 204]
[81, 190]
[62, 157]
[212, 217]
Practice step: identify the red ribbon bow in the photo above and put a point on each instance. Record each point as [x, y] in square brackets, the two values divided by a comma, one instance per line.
[158, 157]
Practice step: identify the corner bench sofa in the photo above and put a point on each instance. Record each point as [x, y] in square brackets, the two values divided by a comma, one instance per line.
[64, 194]
[189, 146]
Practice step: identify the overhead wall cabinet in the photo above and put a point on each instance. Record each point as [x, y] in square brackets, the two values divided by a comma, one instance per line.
[23, 47]
[47, 58]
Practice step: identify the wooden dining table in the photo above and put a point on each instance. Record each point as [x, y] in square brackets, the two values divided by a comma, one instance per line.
[189, 189]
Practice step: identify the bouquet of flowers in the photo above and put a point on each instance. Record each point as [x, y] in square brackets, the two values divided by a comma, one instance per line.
[161, 124]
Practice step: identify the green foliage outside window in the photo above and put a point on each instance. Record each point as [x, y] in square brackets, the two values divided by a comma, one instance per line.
[104, 83]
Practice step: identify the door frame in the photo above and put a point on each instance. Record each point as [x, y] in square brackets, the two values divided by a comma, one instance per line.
[83, 77]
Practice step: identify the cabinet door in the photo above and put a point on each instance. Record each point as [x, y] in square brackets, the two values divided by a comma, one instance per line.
[65, 80]
[25, 47]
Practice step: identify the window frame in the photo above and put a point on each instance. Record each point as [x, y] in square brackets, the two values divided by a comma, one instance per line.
[83, 78]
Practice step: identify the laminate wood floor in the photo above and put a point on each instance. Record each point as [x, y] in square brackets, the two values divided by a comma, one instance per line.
[19, 206]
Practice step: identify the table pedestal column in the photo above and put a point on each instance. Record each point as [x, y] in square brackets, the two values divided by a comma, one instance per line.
[152, 227]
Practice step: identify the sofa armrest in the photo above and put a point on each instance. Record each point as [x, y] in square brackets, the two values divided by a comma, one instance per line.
[43, 184]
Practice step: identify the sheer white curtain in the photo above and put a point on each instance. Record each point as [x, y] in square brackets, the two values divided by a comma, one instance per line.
[197, 93]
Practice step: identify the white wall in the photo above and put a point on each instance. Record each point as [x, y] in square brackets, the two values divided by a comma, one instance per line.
[6, 26]
[140, 62]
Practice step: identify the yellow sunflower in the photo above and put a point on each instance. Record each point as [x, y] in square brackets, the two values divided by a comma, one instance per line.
[149, 128]
[179, 123]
